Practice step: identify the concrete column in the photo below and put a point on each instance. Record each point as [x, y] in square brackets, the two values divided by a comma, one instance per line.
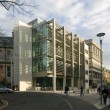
[79, 62]
[54, 55]
[72, 47]
[64, 53]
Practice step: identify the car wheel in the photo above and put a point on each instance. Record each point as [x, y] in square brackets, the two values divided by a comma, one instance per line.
[7, 91]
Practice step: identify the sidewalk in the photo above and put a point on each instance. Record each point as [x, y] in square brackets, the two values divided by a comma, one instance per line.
[92, 98]
[101, 106]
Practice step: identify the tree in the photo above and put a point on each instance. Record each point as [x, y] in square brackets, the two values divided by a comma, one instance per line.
[16, 7]
[21, 6]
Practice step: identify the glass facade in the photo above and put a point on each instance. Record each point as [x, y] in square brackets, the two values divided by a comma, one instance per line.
[66, 54]
[42, 48]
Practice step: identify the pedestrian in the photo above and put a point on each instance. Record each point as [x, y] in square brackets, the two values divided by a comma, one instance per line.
[81, 91]
[66, 89]
[99, 90]
[109, 94]
[104, 94]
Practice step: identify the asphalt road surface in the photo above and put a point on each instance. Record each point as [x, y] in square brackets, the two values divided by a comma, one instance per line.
[44, 101]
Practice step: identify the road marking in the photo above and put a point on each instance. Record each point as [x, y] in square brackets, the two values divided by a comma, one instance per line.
[5, 103]
[68, 103]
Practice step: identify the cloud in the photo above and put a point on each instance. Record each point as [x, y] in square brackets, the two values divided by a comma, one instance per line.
[99, 7]
[83, 17]
[3, 12]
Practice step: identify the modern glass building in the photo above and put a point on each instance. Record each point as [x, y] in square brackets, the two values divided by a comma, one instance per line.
[58, 56]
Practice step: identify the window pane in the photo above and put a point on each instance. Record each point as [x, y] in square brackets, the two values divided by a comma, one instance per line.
[8, 55]
[1, 55]
[8, 71]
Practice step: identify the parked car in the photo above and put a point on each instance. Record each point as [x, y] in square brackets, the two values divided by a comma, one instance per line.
[5, 89]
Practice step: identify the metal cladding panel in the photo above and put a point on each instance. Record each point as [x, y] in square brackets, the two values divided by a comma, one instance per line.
[16, 56]
[23, 56]
[86, 67]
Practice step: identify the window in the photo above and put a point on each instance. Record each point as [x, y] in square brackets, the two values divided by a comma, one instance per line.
[49, 47]
[86, 51]
[40, 64]
[8, 71]
[68, 53]
[86, 81]
[59, 66]
[86, 71]
[59, 50]
[58, 35]
[1, 55]
[86, 61]
[68, 69]
[26, 69]
[26, 38]
[20, 36]
[8, 55]
[20, 68]
[49, 63]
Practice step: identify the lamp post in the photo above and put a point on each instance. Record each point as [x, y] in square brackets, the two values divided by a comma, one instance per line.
[100, 35]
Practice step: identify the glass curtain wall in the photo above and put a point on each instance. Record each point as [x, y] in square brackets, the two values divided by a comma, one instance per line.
[59, 57]
[76, 64]
[42, 52]
[68, 59]
[39, 51]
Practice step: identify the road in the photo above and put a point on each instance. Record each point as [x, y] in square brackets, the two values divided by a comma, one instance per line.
[45, 101]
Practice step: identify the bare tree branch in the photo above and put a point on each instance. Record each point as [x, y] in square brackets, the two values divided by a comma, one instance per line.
[14, 4]
[2, 31]
[16, 7]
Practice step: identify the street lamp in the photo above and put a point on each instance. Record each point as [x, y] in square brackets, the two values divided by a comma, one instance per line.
[100, 35]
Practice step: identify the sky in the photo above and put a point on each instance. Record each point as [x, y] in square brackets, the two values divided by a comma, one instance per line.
[86, 18]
